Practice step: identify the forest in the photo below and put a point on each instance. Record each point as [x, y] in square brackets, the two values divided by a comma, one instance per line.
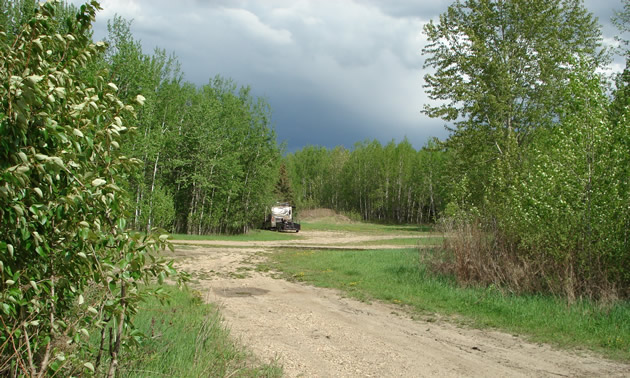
[106, 149]
[209, 154]
[372, 182]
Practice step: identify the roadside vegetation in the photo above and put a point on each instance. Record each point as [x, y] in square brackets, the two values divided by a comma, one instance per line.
[185, 337]
[78, 140]
[63, 208]
[397, 277]
[209, 154]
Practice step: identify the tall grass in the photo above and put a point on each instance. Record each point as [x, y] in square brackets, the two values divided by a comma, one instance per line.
[396, 276]
[186, 338]
[476, 256]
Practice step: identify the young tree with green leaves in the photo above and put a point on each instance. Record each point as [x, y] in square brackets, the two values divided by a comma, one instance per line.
[569, 213]
[497, 68]
[283, 190]
[62, 207]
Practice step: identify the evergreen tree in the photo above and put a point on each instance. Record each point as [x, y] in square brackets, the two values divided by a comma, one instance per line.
[283, 190]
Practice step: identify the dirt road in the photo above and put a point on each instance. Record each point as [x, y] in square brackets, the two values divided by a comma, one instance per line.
[316, 332]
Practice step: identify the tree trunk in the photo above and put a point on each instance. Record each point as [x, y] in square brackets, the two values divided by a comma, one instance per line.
[191, 210]
[203, 203]
[138, 209]
[155, 168]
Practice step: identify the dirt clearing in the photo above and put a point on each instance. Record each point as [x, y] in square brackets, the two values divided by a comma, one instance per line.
[315, 332]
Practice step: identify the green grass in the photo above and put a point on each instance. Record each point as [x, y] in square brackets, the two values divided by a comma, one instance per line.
[395, 276]
[364, 227]
[254, 235]
[185, 338]
[426, 241]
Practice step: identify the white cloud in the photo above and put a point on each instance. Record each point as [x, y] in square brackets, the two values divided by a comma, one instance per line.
[258, 29]
[126, 8]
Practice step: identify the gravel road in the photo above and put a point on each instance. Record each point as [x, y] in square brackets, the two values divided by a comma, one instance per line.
[315, 332]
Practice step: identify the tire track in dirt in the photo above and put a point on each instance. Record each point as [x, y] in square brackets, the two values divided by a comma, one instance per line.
[315, 332]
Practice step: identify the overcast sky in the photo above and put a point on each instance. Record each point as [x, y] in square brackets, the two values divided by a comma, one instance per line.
[334, 72]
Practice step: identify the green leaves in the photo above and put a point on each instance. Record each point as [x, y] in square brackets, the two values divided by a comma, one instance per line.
[533, 156]
[63, 209]
[375, 182]
[571, 200]
[497, 69]
[98, 182]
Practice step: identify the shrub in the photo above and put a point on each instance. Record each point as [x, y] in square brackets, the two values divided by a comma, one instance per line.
[62, 211]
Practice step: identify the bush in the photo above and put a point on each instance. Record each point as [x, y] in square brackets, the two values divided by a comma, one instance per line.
[62, 211]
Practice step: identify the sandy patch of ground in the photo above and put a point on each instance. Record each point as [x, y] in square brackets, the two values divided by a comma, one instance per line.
[316, 332]
[319, 214]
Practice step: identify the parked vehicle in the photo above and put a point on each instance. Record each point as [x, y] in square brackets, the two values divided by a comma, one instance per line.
[280, 218]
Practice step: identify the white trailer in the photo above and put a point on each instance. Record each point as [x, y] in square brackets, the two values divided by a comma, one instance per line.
[280, 218]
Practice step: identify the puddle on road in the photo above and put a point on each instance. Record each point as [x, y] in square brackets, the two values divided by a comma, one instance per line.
[231, 292]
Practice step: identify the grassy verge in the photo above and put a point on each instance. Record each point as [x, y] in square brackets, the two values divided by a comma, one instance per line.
[185, 338]
[425, 241]
[254, 235]
[395, 276]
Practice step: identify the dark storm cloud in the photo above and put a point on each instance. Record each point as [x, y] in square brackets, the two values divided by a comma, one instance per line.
[330, 124]
[335, 72]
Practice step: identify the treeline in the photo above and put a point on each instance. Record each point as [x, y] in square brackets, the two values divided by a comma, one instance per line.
[209, 154]
[385, 183]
